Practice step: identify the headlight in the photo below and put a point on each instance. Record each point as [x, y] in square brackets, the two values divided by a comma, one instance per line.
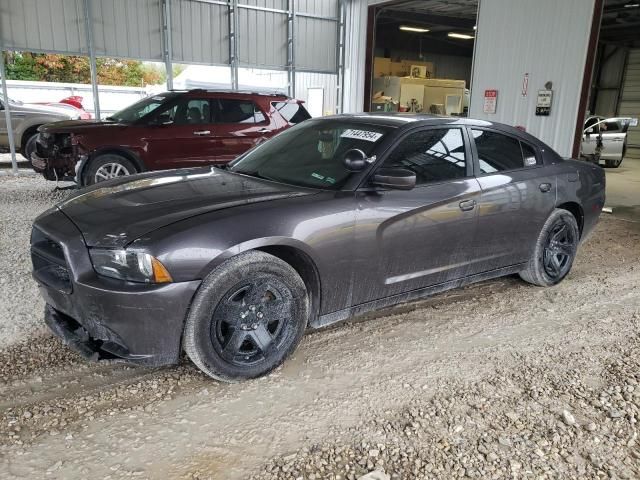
[129, 265]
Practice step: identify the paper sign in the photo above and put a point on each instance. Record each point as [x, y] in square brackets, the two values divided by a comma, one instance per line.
[361, 135]
[490, 101]
[543, 104]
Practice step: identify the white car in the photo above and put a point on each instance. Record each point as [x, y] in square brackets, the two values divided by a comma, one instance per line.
[604, 140]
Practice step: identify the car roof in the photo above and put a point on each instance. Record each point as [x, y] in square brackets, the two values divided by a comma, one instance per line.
[234, 93]
[408, 120]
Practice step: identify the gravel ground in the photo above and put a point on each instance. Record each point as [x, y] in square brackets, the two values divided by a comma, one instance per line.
[497, 380]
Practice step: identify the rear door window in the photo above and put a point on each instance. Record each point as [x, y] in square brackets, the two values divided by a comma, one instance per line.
[499, 153]
[237, 111]
[292, 112]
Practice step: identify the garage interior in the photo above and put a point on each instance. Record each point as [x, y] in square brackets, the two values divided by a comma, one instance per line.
[423, 54]
[497, 379]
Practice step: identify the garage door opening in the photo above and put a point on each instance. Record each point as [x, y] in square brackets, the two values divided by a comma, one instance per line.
[421, 56]
[610, 134]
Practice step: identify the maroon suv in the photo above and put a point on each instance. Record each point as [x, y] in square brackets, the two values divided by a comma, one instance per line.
[169, 130]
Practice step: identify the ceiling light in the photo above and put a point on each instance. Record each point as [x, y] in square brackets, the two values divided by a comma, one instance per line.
[475, 27]
[414, 29]
[632, 5]
[460, 35]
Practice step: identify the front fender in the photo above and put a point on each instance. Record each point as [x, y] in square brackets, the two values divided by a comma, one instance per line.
[255, 244]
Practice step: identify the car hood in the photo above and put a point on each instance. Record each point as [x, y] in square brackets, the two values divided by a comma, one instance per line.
[115, 213]
[42, 110]
[78, 126]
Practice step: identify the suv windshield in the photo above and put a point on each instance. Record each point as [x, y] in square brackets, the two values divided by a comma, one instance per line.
[311, 153]
[141, 108]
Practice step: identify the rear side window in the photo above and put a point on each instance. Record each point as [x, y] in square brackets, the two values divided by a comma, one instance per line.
[497, 152]
[237, 111]
[292, 112]
[433, 155]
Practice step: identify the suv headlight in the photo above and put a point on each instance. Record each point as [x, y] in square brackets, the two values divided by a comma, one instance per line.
[129, 265]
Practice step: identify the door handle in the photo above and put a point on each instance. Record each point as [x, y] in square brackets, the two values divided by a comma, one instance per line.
[201, 132]
[545, 187]
[264, 130]
[467, 205]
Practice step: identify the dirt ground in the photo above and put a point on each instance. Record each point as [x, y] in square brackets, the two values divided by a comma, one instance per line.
[497, 380]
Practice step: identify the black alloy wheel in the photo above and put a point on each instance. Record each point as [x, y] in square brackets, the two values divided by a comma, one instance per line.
[252, 320]
[559, 250]
[247, 317]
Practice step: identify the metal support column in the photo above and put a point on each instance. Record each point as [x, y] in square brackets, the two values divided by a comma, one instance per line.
[233, 42]
[7, 114]
[88, 26]
[291, 59]
[166, 40]
[341, 55]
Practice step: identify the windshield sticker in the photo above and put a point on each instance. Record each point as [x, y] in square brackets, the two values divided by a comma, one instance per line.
[318, 176]
[361, 135]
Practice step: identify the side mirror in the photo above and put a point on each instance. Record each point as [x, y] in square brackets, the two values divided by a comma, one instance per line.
[355, 160]
[395, 178]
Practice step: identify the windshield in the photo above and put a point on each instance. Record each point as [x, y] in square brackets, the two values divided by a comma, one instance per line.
[140, 108]
[311, 153]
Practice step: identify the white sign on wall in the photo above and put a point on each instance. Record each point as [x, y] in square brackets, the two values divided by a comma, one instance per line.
[490, 101]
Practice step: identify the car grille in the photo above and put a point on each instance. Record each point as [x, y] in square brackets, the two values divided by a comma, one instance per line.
[49, 264]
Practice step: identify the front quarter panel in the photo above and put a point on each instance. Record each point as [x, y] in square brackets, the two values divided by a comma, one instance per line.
[320, 225]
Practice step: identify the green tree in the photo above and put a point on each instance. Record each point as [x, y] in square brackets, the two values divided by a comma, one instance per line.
[76, 69]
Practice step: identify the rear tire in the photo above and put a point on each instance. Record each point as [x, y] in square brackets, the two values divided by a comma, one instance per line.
[247, 317]
[107, 166]
[29, 147]
[555, 250]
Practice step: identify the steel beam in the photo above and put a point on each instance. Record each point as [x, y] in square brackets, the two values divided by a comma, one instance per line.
[88, 26]
[291, 59]
[166, 39]
[7, 114]
[340, 57]
[233, 43]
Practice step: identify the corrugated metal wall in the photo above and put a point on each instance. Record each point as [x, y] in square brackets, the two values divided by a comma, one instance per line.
[200, 31]
[36, 25]
[607, 83]
[630, 101]
[355, 55]
[546, 39]
[127, 28]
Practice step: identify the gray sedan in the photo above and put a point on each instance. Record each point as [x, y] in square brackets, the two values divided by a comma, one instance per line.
[332, 218]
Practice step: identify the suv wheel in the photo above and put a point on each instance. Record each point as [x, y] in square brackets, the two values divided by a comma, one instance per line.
[248, 316]
[555, 250]
[105, 167]
[29, 147]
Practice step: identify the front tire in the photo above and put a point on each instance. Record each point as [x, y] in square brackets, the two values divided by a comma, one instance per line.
[248, 316]
[105, 167]
[555, 250]
[613, 163]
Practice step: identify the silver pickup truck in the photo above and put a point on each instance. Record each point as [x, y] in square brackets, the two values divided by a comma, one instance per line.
[25, 120]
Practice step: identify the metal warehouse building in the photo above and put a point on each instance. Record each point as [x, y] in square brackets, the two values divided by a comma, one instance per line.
[518, 49]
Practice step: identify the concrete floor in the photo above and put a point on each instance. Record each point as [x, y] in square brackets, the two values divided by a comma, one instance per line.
[623, 189]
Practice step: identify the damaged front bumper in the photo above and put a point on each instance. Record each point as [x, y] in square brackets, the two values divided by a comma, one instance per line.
[55, 158]
[104, 318]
